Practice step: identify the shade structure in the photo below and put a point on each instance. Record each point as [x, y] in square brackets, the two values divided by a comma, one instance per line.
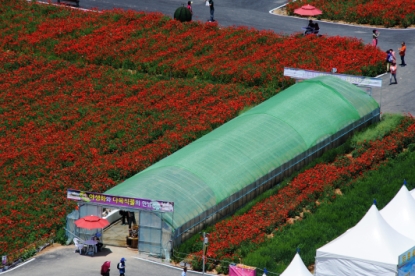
[308, 10]
[296, 268]
[91, 222]
[370, 248]
[400, 213]
[209, 171]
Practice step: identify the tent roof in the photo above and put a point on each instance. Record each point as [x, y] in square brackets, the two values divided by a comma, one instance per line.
[372, 239]
[413, 193]
[400, 213]
[296, 268]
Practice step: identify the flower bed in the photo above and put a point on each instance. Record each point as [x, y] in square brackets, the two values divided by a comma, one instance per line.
[229, 236]
[64, 129]
[155, 44]
[71, 119]
[381, 12]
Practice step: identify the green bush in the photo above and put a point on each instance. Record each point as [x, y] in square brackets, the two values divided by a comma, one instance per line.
[28, 253]
[61, 236]
[197, 264]
[183, 14]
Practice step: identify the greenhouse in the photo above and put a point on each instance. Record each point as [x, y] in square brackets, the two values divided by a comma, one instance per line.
[220, 172]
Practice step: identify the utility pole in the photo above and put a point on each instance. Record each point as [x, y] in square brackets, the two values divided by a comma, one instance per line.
[205, 242]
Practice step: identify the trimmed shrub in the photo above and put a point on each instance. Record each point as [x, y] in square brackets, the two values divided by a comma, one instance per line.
[183, 14]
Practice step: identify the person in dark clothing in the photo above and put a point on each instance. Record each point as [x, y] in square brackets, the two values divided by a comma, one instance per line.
[312, 28]
[99, 243]
[124, 217]
[310, 24]
[212, 11]
[189, 7]
[131, 219]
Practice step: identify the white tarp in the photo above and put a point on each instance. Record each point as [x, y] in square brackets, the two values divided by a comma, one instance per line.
[400, 213]
[371, 248]
[296, 268]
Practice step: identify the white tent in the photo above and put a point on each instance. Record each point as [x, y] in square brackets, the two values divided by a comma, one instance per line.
[371, 248]
[400, 213]
[296, 268]
[413, 193]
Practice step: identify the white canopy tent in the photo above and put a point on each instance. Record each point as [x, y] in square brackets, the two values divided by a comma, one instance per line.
[296, 268]
[371, 248]
[413, 193]
[400, 213]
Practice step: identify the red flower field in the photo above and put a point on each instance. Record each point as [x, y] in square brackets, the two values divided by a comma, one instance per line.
[89, 99]
[381, 12]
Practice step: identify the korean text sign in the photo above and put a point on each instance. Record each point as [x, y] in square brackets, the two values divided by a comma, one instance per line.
[121, 201]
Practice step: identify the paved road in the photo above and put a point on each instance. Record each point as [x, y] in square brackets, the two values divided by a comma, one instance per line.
[63, 261]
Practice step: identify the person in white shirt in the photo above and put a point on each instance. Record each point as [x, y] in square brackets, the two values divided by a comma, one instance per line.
[184, 271]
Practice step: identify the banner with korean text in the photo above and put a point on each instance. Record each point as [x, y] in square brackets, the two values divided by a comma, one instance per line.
[121, 201]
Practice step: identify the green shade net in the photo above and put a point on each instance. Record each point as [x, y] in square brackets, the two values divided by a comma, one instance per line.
[221, 163]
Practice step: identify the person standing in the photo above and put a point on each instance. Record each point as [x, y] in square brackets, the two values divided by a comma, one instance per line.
[393, 54]
[388, 60]
[105, 268]
[375, 36]
[402, 51]
[189, 7]
[121, 267]
[212, 11]
[124, 217]
[184, 271]
[393, 72]
[131, 219]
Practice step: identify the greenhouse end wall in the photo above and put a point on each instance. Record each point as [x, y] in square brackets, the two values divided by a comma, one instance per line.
[242, 197]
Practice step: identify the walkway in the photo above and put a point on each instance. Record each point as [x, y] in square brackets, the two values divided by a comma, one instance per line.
[63, 261]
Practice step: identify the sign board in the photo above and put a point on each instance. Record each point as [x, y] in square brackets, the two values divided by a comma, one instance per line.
[407, 270]
[367, 89]
[407, 256]
[241, 270]
[4, 259]
[406, 263]
[121, 201]
[308, 74]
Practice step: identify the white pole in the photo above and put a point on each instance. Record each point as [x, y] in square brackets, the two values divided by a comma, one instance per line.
[203, 253]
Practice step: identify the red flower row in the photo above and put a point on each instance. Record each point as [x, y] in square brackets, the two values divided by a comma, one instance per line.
[229, 235]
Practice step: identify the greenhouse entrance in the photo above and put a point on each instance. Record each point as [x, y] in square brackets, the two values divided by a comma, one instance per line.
[149, 233]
